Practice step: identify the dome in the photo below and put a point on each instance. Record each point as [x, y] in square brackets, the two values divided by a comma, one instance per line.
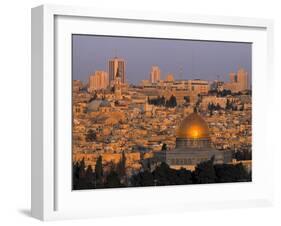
[94, 105]
[170, 77]
[193, 127]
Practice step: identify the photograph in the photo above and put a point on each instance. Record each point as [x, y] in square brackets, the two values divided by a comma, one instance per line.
[152, 111]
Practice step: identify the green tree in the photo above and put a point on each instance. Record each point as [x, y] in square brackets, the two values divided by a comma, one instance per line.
[204, 172]
[89, 177]
[99, 171]
[79, 175]
[184, 176]
[75, 175]
[172, 102]
[231, 173]
[164, 175]
[228, 105]
[144, 178]
[122, 165]
[113, 180]
[164, 147]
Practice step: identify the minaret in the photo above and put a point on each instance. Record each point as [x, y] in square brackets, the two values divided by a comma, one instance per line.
[181, 73]
[117, 86]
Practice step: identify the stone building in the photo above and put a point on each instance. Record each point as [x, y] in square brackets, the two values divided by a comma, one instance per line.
[193, 145]
[98, 81]
[238, 81]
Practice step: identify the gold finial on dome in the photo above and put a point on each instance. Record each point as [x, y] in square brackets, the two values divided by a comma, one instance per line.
[193, 127]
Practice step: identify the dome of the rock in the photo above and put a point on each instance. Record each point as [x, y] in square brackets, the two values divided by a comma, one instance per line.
[193, 127]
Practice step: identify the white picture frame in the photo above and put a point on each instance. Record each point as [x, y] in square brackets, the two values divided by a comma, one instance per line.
[52, 197]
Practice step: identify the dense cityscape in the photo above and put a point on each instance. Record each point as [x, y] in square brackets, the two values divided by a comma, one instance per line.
[139, 134]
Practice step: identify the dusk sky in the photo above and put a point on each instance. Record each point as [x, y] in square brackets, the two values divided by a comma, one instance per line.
[198, 59]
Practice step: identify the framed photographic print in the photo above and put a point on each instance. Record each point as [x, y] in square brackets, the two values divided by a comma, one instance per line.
[137, 112]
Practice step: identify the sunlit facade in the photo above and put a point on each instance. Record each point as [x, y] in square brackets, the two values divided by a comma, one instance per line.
[238, 81]
[98, 81]
[155, 74]
[117, 65]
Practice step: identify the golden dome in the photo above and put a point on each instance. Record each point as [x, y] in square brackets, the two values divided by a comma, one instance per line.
[193, 127]
[170, 77]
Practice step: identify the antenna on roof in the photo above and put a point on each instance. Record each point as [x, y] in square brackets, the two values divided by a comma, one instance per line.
[181, 73]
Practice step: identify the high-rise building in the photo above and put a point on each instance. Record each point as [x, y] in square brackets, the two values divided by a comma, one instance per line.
[116, 65]
[98, 81]
[238, 81]
[232, 77]
[155, 74]
[242, 79]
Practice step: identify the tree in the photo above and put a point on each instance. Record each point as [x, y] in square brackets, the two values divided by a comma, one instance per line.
[113, 180]
[172, 102]
[91, 135]
[164, 175]
[122, 165]
[184, 176]
[218, 107]
[228, 105]
[164, 147]
[149, 164]
[224, 93]
[204, 172]
[142, 179]
[243, 155]
[231, 173]
[82, 167]
[79, 175]
[89, 176]
[99, 170]
[75, 175]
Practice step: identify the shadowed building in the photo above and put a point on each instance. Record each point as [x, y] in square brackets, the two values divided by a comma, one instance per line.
[193, 145]
[114, 65]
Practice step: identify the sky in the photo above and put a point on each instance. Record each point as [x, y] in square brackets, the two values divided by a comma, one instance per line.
[186, 59]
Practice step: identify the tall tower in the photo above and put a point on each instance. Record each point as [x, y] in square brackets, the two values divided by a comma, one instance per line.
[155, 74]
[232, 77]
[117, 86]
[181, 73]
[242, 79]
[114, 65]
